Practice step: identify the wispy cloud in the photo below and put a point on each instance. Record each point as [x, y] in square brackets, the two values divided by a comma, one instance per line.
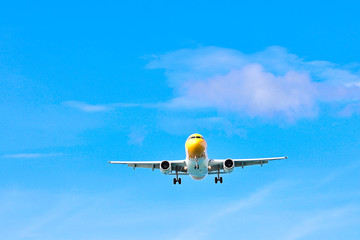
[137, 135]
[86, 107]
[252, 200]
[31, 155]
[338, 172]
[181, 124]
[319, 221]
[287, 210]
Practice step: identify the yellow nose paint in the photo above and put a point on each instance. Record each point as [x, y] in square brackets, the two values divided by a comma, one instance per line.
[195, 146]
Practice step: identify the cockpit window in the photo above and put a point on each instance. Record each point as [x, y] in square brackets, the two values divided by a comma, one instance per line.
[195, 137]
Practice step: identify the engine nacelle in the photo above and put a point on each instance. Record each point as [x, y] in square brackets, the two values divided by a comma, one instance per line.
[165, 167]
[229, 165]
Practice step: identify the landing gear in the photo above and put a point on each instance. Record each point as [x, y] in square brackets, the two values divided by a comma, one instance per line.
[218, 178]
[177, 179]
[197, 164]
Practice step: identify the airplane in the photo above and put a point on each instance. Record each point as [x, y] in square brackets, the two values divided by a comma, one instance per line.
[197, 164]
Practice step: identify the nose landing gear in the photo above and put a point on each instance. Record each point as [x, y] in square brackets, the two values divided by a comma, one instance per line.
[196, 164]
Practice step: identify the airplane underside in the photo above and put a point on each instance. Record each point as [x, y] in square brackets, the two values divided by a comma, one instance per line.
[197, 168]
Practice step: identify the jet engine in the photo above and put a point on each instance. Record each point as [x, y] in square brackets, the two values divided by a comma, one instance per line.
[165, 167]
[229, 165]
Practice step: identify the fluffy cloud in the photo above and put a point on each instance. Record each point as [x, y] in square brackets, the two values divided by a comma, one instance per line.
[253, 91]
[268, 84]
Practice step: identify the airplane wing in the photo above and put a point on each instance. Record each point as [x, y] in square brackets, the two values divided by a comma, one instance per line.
[150, 164]
[218, 164]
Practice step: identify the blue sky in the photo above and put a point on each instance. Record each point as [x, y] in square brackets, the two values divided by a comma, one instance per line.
[83, 83]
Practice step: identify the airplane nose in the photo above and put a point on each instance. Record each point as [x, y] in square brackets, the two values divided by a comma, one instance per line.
[196, 147]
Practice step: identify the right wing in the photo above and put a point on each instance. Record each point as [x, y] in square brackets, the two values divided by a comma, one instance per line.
[150, 164]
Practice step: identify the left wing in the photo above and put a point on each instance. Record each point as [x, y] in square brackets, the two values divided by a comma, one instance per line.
[218, 164]
[150, 164]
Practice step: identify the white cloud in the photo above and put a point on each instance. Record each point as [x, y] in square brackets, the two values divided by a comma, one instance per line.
[268, 84]
[137, 135]
[252, 91]
[319, 221]
[217, 214]
[86, 107]
[180, 124]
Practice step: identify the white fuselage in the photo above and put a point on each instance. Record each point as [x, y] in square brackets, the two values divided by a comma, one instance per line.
[197, 167]
[196, 160]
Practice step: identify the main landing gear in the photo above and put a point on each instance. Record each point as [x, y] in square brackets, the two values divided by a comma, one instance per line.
[177, 179]
[218, 178]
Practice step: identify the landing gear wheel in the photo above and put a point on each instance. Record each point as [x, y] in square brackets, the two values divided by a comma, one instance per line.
[221, 179]
[177, 179]
[218, 178]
